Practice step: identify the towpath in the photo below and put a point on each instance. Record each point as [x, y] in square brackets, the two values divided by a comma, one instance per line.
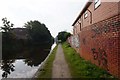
[60, 67]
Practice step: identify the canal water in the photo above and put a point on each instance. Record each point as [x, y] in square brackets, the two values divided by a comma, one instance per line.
[24, 64]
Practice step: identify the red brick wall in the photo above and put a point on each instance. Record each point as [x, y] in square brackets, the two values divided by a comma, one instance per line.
[76, 28]
[104, 11]
[100, 43]
[100, 40]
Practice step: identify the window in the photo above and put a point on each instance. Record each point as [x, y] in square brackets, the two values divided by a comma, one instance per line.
[97, 3]
[80, 26]
[79, 22]
[85, 15]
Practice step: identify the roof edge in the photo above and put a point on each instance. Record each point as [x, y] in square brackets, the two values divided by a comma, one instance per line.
[83, 10]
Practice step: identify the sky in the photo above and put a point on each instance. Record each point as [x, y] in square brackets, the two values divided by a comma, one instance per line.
[57, 15]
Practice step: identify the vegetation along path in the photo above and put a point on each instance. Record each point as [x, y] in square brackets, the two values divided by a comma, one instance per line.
[60, 67]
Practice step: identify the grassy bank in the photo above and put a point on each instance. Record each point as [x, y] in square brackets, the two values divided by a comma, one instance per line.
[46, 72]
[81, 68]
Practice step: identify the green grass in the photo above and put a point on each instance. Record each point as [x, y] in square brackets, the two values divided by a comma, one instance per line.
[46, 72]
[80, 68]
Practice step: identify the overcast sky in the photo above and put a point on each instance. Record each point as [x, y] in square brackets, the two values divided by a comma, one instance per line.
[57, 15]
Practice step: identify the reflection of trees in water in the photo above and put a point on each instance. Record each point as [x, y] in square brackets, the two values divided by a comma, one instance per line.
[33, 57]
[36, 56]
[8, 67]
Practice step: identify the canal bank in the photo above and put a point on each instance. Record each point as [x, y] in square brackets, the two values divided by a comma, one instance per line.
[45, 71]
[79, 67]
[41, 69]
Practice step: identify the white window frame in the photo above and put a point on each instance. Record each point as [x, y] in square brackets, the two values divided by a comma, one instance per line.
[97, 3]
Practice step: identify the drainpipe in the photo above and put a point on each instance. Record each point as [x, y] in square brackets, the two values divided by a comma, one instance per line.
[80, 25]
[90, 16]
[81, 22]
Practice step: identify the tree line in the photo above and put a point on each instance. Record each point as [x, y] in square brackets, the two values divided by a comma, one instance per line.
[62, 36]
[36, 34]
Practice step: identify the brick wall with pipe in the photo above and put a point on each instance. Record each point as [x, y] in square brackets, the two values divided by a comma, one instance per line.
[99, 34]
[100, 43]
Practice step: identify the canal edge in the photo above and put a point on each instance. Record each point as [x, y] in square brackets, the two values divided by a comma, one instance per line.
[38, 72]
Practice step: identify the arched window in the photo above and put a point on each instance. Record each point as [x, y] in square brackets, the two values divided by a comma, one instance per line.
[85, 14]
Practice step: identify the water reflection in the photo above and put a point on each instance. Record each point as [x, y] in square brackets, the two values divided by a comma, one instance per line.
[8, 67]
[32, 56]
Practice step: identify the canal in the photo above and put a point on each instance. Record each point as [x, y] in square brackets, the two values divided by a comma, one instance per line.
[23, 64]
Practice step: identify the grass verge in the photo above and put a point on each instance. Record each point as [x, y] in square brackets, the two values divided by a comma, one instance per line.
[80, 68]
[46, 72]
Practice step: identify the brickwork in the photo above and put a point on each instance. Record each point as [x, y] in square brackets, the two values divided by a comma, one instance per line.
[104, 11]
[99, 35]
[100, 43]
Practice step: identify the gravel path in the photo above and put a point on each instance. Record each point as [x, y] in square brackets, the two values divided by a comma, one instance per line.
[60, 67]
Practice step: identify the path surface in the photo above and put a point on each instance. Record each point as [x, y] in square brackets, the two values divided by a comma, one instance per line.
[60, 67]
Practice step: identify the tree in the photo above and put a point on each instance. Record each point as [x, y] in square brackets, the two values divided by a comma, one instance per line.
[7, 26]
[38, 32]
[8, 38]
[63, 35]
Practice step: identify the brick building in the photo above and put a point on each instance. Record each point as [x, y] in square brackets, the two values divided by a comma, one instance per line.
[97, 31]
